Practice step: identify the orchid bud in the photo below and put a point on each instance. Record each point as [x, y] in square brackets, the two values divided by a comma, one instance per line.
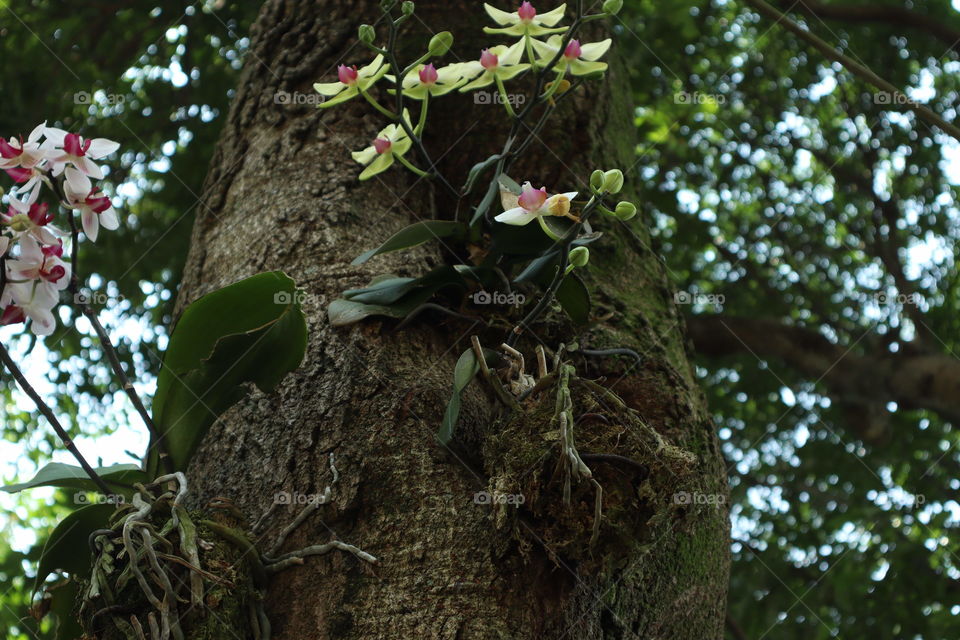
[428, 75]
[347, 75]
[596, 180]
[573, 50]
[612, 7]
[407, 8]
[613, 181]
[440, 43]
[526, 12]
[625, 210]
[488, 60]
[366, 33]
[579, 256]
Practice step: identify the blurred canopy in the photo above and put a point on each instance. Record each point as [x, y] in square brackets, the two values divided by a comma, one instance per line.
[810, 220]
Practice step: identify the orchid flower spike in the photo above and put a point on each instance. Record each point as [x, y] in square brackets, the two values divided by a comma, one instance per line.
[535, 203]
[390, 143]
[496, 62]
[428, 80]
[525, 21]
[351, 82]
[578, 59]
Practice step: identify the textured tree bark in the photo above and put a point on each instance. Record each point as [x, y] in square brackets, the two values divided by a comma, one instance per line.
[282, 194]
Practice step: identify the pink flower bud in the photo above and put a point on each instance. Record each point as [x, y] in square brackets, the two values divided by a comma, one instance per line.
[488, 60]
[382, 145]
[526, 12]
[573, 51]
[347, 75]
[532, 199]
[428, 75]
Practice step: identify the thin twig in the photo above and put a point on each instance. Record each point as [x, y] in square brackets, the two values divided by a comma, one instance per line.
[861, 71]
[52, 419]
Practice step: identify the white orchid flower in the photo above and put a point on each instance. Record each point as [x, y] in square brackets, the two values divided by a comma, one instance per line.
[496, 63]
[535, 203]
[352, 82]
[578, 59]
[525, 21]
[391, 143]
[94, 207]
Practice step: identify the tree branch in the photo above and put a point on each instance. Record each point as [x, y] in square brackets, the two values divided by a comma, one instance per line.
[914, 380]
[895, 16]
[861, 71]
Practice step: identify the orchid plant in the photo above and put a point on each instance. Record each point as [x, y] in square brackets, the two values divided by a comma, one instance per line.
[543, 62]
[55, 199]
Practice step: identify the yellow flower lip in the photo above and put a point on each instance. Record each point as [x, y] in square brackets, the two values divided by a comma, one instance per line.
[559, 205]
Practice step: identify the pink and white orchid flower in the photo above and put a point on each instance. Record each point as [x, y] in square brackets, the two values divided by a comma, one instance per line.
[64, 148]
[535, 203]
[40, 263]
[34, 301]
[94, 207]
[30, 218]
[15, 153]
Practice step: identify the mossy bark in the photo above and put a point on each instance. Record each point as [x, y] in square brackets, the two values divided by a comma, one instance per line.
[282, 194]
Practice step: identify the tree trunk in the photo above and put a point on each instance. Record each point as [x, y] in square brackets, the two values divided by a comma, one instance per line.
[282, 194]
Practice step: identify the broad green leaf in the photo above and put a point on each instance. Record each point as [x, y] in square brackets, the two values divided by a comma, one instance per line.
[394, 297]
[537, 266]
[574, 297]
[415, 234]
[250, 331]
[464, 372]
[63, 602]
[67, 548]
[58, 474]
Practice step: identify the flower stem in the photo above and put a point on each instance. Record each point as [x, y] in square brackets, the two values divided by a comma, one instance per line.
[554, 85]
[423, 114]
[408, 165]
[504, 98]
[379, 107]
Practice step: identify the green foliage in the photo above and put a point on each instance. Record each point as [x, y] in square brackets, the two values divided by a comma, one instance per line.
[58, 474]
[68, 549]
[251, 331]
